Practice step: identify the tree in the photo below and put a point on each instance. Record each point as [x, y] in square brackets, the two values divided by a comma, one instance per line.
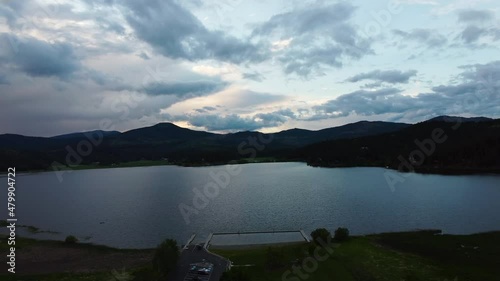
[321, 234]
[341, 234]
[166, 257]
[71, 239]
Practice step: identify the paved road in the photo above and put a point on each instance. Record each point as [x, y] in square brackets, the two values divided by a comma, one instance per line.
[193, 255]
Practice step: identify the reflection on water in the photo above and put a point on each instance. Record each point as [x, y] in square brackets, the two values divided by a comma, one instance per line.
[139, 207]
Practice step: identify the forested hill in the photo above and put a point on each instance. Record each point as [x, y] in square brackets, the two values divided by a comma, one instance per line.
[166, 141]
[473, 145]
[439, 145]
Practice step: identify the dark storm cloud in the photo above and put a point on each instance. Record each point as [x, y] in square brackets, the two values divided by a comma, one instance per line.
[305, 62]
[476, 93]
[472, 33]
[323, 36]
[475, 15]
[39, 58]
[315, 18]
[175, 32]
[427, 37]
[286, 112]
[3, 80]
[209, 108]
[475, 28]
[183, 89]
[389, 76]
[488, 74]
[144, 56]
[255, 76]
[372, 85]
[364, 102]
[480, 80]
[233, 122]
[205, 109]
[106, 81]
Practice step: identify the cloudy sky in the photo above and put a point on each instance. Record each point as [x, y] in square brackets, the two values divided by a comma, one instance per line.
[230, 65]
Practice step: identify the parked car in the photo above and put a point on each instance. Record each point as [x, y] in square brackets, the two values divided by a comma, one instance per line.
[202, 268]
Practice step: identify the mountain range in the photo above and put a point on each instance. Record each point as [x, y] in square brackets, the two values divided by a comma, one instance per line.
[358, 144]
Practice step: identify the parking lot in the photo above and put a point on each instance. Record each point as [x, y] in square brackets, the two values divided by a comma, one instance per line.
[193, 255]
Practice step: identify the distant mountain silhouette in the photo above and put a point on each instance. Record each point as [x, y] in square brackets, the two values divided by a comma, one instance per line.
[455, 119]
[84, 134]
[362, 143]
[471, 145]
[359, 129]
[162, 131]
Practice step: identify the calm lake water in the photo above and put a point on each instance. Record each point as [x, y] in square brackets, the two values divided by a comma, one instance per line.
[139, 207]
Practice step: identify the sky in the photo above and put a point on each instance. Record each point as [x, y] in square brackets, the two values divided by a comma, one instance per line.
[234, 65]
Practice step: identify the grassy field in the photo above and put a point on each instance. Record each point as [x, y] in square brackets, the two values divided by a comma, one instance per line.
[396, 256]
[105, 276]
[464, 257]
[139, 274]
[409, 256]
[40, 260]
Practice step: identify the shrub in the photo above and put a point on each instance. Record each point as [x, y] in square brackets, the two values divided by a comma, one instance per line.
[341, 234]
[33, 229]
[165, 257]
[71, 239]
[321, 234]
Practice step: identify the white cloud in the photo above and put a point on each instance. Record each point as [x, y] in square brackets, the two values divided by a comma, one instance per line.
[281, 44]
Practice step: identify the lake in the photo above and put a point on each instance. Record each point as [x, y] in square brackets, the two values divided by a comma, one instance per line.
[139, 207]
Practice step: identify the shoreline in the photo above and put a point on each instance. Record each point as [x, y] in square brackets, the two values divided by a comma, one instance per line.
[436, 232]
[419, 255]
[446, 171]
[57, 260]
[451, 171]
[151, 163]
